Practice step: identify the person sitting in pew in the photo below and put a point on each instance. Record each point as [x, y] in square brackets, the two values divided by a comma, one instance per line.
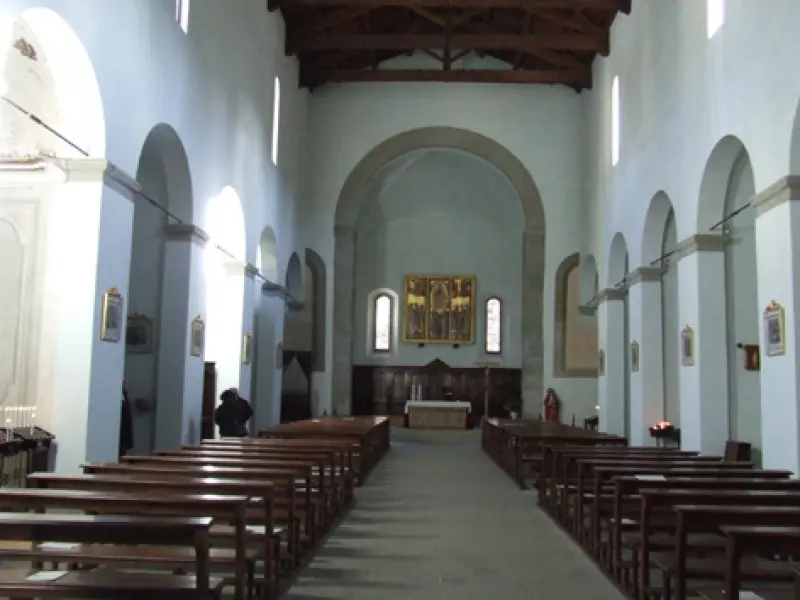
[233, 414]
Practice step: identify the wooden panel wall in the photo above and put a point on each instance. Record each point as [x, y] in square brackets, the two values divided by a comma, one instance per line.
[384, 390]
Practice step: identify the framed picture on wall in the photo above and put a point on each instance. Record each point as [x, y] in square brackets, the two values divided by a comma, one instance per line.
[112, 319]
[247, 348]
[774, 330]
[197, 336]
[139, 334]
[601, 362]
[634, 356]
[687, 346]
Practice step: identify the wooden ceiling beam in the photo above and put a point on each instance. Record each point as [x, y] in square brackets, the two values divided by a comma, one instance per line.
[615, 5]
[566, 77]
[335, 18]
[533, 44]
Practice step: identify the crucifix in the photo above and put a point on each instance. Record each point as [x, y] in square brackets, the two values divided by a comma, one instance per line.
[486, 366]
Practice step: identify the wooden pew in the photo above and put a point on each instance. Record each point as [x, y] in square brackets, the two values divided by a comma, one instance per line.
[742, 540]
[372, 434]
[719, 509]
[229, 510]
[84, 529]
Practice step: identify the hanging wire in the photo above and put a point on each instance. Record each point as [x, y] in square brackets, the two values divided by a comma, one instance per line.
[137, 192]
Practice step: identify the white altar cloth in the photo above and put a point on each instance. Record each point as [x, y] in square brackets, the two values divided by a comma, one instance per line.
[438, 404]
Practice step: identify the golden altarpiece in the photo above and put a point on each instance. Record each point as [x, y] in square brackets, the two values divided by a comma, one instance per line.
[439, 309]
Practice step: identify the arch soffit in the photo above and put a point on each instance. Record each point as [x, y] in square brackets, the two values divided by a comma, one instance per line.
[794, 143]
[295, 275]
[617, 260]
[268, 253]
[715, 179]
[166, 145]
[440, 137]
[655, 226]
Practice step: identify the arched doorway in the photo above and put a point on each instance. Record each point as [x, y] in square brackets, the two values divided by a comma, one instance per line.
[48, 323]
[225, 287]
[158, 297]
[347, 211]
[727, 186]
[297, 343]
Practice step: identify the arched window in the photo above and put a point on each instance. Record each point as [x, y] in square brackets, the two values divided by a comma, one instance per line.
[494, 326]
[182, 14]
[383, 318]
[276, 119]
[615, 122]
[715, 16]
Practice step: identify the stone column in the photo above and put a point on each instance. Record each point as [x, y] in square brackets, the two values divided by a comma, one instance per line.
[645, 328]
[533, 267]
[611, 377]
[777, 239]
[179, 395]
[343, 282]
[704, 385]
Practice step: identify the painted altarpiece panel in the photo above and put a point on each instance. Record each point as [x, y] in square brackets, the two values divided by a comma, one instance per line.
[439, 309]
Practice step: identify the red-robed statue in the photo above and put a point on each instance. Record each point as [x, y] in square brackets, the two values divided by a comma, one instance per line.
[552, 406]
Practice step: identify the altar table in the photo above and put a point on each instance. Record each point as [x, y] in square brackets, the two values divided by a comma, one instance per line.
[437, 414]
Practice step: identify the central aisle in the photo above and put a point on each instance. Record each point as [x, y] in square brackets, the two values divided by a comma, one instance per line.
[437, 519]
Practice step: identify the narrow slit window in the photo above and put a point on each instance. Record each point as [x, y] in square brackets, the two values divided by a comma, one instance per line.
[382, 323]
[182, 14]
[276, 120]
[715, 16]
[615, 122]
[494, 326]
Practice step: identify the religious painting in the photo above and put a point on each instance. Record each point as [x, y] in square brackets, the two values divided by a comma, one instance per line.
[687, 347]
[247, 348]
[439, 309]
[416, 302]
[752, 356]
[197, 336]
[634, 356]
[111, 322]
[601, 362]
[774, 330]
[462, 311]
[139, 334]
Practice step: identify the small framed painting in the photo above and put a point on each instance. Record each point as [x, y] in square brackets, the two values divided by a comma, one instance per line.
[774, 330]
[197, 336]
[247, 348]
[634, 356]
[139, 334]
[601, 362]
[111, 322]
[687, 346]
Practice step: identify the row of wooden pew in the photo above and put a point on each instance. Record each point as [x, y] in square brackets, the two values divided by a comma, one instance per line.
[242, 514]
[669, 524]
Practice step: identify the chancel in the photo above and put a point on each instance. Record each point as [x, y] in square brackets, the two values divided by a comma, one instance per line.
[420, 238]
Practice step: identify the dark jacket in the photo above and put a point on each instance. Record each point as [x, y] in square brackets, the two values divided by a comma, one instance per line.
[232, 416]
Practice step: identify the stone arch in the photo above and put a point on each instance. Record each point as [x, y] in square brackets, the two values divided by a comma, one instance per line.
[78, 115]
[345, 218]
[164, 150]
[711, 205]
[317, 272]
[617, 261]
[655, 225]
[590, 279]
[570, 332]
[267, 256]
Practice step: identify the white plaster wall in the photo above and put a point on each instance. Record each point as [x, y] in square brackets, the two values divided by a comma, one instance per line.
[441, 212]
[540, 125]
[220, 104]
[680, 94]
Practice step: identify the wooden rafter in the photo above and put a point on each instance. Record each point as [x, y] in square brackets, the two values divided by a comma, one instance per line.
[455, 76]
[616, 5]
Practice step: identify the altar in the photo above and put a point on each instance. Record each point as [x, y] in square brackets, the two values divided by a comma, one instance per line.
[437, 414]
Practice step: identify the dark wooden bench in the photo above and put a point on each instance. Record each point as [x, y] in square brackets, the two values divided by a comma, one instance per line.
[115, 530]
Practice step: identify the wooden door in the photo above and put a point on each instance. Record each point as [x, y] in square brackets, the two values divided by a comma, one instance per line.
[209, 399]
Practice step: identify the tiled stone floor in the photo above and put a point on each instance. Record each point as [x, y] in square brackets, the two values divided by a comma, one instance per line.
[437, 519]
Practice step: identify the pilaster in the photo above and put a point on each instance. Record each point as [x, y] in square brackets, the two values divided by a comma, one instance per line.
[645, 328]
[611, 377]
[344, 273]
[777, 231]
[702, 307]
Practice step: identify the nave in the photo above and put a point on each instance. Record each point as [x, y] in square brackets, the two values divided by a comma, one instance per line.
[437, 519]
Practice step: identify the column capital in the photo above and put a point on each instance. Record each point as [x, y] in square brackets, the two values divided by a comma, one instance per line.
[643, 274]
[786, 189]
[609, 294]
[250, 271]
[701, 242]
[185, 232]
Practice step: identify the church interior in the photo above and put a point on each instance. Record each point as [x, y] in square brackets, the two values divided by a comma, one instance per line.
[291, 291]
